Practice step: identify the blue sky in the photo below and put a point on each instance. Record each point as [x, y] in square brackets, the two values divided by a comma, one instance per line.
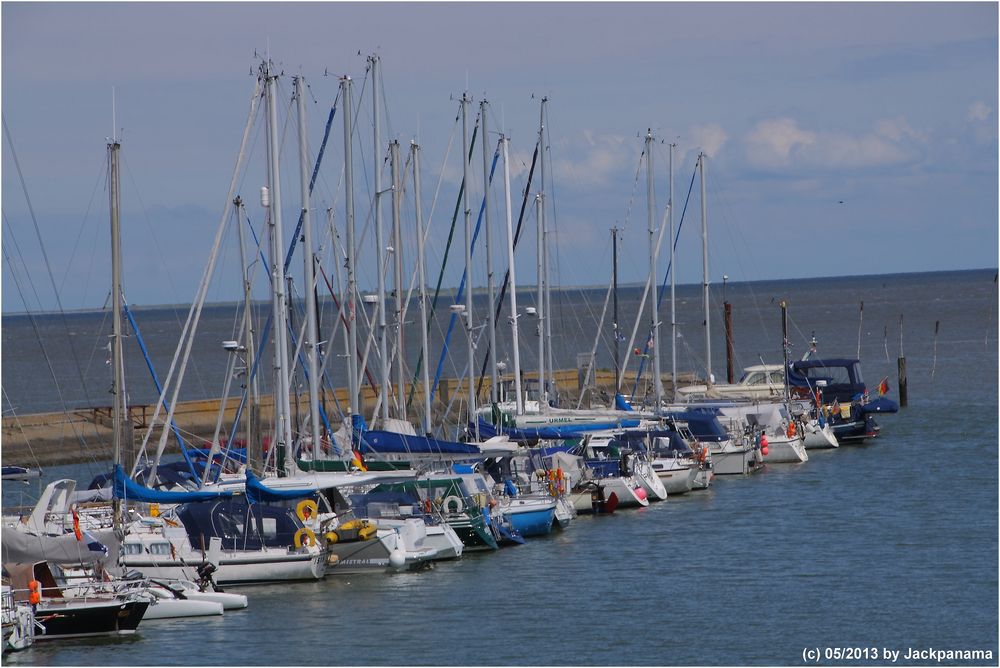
[843, 138]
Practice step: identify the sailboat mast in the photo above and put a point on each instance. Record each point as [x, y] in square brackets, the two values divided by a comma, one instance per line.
[784, 347]
[614, 309]
[543, 135]
[347, 302]
[253, 393]
[490, 287]
[424, 348]
[704, 265]
[519, 401]
[673, 274]
[397, 253]
[282, 404]
[118, 409]
[311, 343]
[654, 325]
[379, 237]
[540, 304]
[468, 259]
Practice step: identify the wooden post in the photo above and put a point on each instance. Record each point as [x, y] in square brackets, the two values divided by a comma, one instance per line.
[901, 362]
[728, 309]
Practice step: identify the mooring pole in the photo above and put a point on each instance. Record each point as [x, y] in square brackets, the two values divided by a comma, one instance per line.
[901, 366]
[727, 310]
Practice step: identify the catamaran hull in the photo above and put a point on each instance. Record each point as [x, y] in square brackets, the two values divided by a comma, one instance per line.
[254, 568]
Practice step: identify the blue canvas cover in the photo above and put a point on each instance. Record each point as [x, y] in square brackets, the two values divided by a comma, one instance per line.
[126, 488]
[258, 491]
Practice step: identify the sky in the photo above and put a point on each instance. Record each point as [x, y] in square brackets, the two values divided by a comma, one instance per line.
[840, 138]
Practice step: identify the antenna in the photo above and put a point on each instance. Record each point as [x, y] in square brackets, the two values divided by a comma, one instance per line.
[114, 121]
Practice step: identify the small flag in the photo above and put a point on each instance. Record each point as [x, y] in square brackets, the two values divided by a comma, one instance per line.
[76, 525]
[95, 545]
[358, 462]
[883, 387]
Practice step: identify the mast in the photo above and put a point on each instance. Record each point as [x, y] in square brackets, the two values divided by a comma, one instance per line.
[614, 310]
[654, 326]
[379, 239]
[397, 253]
[118, 410]
[468, 259]
[490, 287]
[543, 137]
[347, 302]
[784, 347]
[311, 342]
[424, 348]
[673, 273]
[253, 391]
[704, 264]
[513, 282]
[540, 304]
[282, 404]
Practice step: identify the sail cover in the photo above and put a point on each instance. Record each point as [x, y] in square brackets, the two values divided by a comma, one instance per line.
[128, 489]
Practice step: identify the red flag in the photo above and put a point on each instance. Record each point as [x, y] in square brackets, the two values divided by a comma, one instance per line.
[883, 387]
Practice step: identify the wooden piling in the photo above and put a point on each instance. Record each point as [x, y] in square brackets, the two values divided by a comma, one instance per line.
[901, 367]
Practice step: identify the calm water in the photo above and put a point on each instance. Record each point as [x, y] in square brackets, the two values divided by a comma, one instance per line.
[889, 545]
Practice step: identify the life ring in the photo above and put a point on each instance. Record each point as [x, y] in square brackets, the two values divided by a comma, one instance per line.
[303, 535]
[304, 506]
[459, 504]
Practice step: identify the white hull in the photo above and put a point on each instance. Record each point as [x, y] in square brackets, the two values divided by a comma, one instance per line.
[565, 512]
[785, 451]
[650, 480]
[172, 608]
[676, 476]
[234, 567]
[817, 438]
[733, 459]
[630, 494]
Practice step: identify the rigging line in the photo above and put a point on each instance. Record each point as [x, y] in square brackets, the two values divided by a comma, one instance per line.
[79, 235]
[663, 285]
[45, 256]
[742, 244]
[45, 354]
[466, 281]
[426, 233]
[17, 420]
[517, 236]
[444, 261]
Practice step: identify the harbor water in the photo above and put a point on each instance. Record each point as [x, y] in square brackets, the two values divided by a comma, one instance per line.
[889, 545]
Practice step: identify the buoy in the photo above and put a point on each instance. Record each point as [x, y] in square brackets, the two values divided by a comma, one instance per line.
[397, 559]
[35, 595]
[764, 450]
[763, 445]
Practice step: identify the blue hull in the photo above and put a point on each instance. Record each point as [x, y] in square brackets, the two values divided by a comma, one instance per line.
[532, 523]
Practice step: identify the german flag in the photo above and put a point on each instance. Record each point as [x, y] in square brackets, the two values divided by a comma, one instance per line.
[883, 387]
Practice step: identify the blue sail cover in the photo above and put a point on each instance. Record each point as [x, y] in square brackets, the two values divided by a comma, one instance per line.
[258, 491]
[703, 424]
[126, 488]
[390, 442]
[621, 404]
[554, 431]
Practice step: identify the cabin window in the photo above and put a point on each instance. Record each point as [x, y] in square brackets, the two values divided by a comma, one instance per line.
[269, 527]
[132, 548]
[160, 548]
[755, 378]
[833, 375]
[777, 378]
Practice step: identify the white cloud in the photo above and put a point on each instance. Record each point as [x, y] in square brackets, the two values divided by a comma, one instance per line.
[709, 138]
[771, 142]
[979, 111]
[591, 160]
[780, 143]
